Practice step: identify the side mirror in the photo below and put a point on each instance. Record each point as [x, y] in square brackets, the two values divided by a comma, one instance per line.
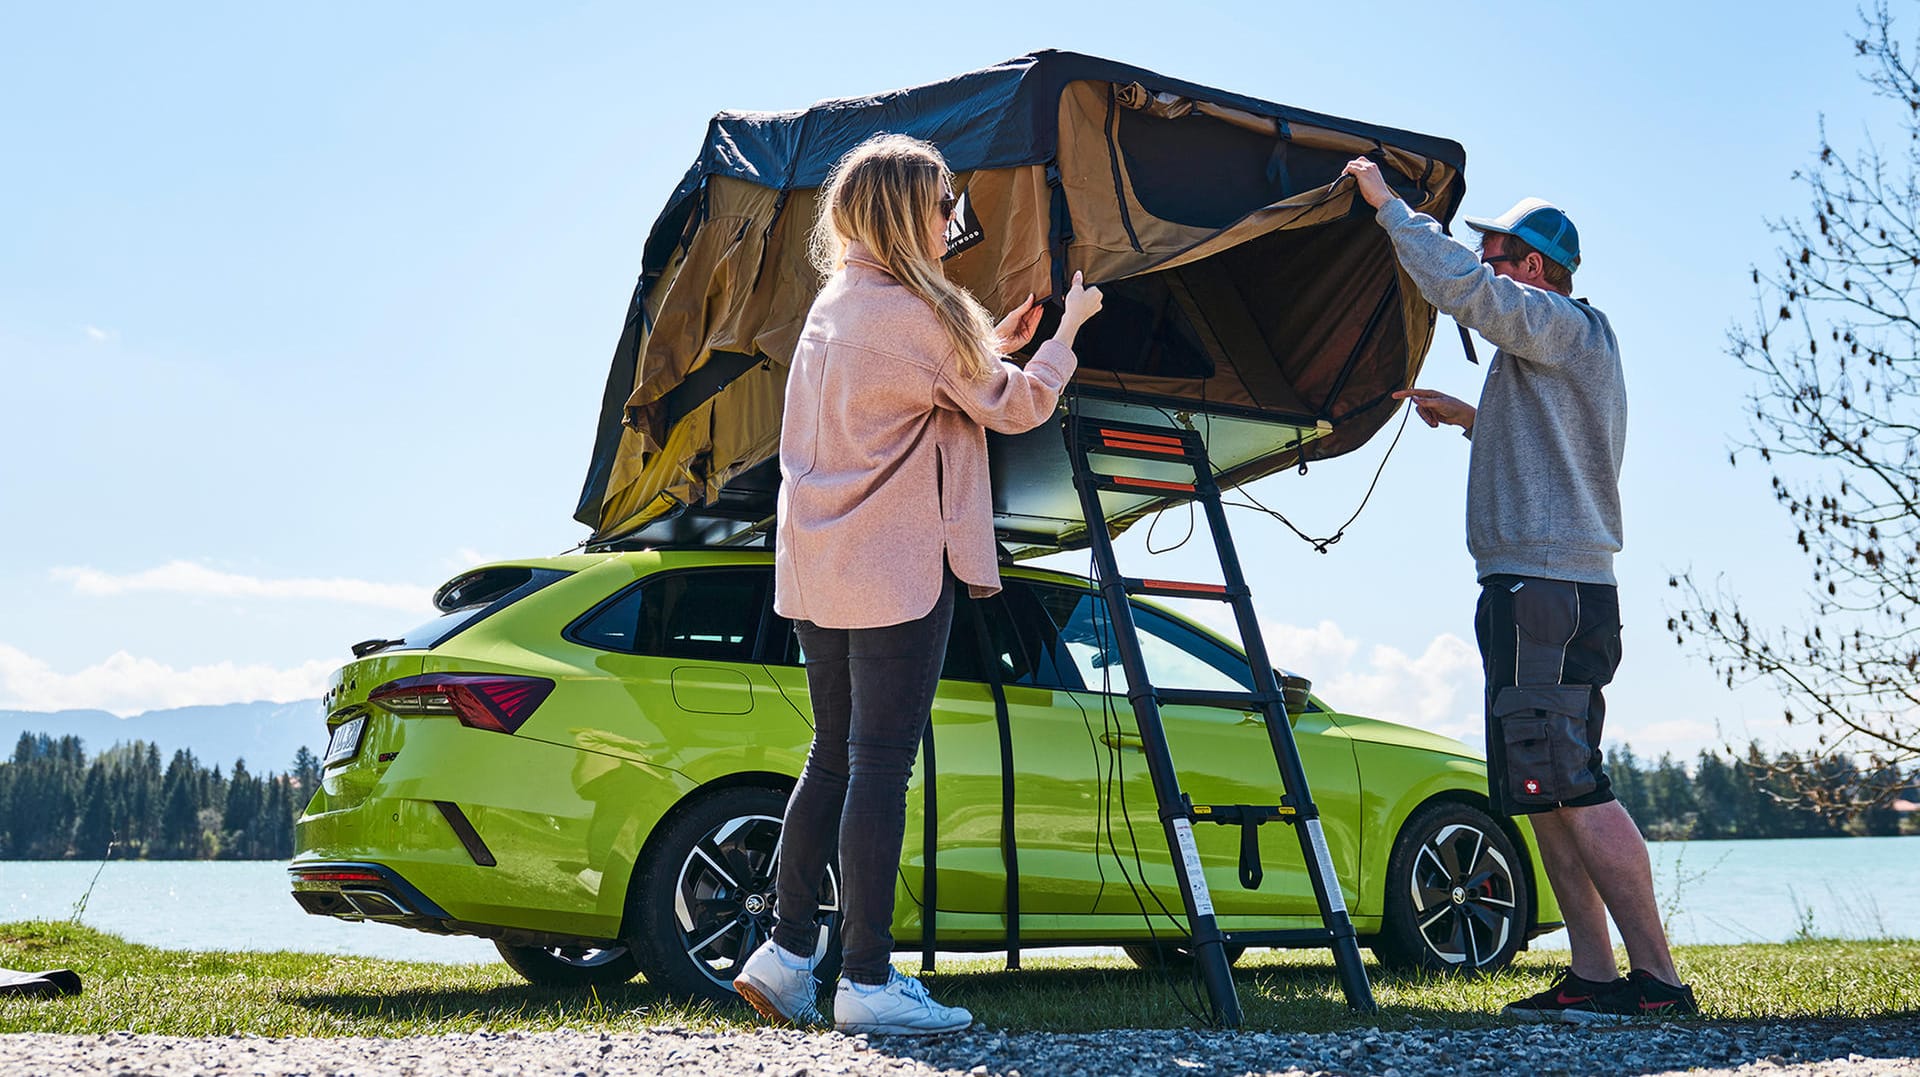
[1294, 690]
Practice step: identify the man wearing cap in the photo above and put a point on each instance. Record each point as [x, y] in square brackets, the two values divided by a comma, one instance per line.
[1543, 524]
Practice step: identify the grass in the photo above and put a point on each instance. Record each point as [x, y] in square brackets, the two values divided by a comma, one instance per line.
[143, 989]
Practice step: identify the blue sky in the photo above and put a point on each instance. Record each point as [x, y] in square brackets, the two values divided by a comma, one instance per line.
[304, 309]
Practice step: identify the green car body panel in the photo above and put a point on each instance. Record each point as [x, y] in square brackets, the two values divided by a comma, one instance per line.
[565, 805]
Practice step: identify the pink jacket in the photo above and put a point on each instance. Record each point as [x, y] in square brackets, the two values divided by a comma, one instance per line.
[883, 455]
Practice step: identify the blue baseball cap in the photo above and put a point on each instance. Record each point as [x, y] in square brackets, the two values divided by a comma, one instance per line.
[1541, 225]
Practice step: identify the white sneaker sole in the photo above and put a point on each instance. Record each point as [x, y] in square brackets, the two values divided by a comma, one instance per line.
[761, 1000]
[1584, 1018]
[855, 1028]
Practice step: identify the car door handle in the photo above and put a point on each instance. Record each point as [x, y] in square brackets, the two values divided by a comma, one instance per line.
[1123, 740]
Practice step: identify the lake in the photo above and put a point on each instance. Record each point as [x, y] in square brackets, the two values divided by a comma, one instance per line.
[1709, 892]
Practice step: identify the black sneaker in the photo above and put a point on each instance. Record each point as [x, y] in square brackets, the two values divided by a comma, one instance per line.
[1641, 994]
[1570, 994]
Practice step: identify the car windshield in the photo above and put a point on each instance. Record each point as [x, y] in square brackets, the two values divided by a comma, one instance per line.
[1176, 655]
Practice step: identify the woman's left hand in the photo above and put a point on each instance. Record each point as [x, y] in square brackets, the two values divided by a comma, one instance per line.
[1017, 328]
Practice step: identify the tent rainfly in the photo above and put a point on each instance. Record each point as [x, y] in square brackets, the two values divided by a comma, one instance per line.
[1248, 292]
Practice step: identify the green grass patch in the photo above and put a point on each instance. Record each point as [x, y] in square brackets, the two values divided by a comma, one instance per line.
[143, 989]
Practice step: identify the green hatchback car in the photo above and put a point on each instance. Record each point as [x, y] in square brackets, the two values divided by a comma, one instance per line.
[586, 758]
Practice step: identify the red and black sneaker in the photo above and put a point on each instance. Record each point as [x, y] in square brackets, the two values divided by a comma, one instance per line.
[1570, 994]
[1641, 994]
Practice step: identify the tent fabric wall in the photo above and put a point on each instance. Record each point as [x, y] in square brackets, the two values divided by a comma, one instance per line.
[1274, 296]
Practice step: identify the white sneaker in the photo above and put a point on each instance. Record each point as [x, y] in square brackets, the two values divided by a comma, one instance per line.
[782, 992]
[900, 1007]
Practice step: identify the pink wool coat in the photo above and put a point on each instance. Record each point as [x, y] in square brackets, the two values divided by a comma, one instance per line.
[883, 455]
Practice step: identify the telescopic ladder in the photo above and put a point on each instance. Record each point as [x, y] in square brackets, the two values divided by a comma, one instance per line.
[1089, 437]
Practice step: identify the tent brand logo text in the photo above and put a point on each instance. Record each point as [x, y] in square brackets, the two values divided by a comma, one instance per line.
[963, 230]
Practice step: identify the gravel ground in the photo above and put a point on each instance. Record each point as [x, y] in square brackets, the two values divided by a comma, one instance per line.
[1827, 1048]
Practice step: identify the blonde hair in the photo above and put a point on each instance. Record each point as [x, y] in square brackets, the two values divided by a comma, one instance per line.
[884, 194]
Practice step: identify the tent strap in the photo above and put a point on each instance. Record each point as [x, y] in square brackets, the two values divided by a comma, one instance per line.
[1059, 229]
[930, 853]
[1009, 844]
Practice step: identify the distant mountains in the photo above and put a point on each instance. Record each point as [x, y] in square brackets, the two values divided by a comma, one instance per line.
[266, 735]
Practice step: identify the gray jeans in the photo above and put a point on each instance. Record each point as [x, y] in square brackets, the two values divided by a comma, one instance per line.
[872, 692]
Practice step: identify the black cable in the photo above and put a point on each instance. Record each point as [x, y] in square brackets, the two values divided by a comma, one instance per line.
[1320, 545]
[1111, 723]
[1155, 522]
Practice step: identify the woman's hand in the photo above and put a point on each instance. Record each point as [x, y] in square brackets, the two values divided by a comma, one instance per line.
[1082, 303]
[1017, 328]
[1435, 408]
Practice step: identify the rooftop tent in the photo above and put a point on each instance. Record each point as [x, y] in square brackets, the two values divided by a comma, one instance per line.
[1248, 293]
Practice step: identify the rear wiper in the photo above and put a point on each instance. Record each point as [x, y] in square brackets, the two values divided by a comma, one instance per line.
[368, 646]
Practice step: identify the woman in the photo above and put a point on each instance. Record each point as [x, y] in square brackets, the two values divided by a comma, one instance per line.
[884, 508]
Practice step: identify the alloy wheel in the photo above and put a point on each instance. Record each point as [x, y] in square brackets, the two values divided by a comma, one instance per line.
[723, 898]
[1463, 896]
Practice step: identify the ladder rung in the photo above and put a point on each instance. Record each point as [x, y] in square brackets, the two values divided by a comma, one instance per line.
[1237, 814]
[1178, 589]
[1134, 482]
[1127, 434]
[1235, 701]
[1303, 936]
[1140, 450]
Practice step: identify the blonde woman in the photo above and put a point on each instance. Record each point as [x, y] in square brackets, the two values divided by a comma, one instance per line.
[884, 509]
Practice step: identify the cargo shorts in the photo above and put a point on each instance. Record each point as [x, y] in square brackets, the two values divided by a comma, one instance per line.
[1547, 647]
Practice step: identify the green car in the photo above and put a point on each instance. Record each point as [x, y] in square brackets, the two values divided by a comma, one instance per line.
[586, 759]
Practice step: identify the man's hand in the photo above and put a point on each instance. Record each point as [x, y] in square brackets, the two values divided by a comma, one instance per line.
[1373, 186]
[1436, 407]
[1017, 328]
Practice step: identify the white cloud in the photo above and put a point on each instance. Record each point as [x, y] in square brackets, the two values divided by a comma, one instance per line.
[126, 685]
[465, 558]
[185, 577]
[1439, 690]
[102, 336]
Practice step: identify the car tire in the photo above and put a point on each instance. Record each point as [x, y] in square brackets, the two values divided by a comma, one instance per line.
[1457, 894]
[1154, 955]
[703, 901]
[570, 966]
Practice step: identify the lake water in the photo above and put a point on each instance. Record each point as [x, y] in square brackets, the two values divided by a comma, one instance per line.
[1709, 891]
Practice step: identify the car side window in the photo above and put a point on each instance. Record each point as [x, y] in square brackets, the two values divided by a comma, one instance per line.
[705, 614]
[1176, 656]
[1010, 647]
[1014, 649]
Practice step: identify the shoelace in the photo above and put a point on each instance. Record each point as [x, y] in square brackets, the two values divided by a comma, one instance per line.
[912, 988]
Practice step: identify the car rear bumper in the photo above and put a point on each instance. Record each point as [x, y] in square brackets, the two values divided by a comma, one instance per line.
[482, 828]
[367, 891]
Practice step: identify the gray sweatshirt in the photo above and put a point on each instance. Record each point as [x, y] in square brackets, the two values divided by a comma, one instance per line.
[1543, 478]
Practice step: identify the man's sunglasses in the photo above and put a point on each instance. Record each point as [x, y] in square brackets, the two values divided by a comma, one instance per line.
[1496, 259]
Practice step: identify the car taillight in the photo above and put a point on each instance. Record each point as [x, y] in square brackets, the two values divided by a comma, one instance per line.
[338, 876]
[500, 702]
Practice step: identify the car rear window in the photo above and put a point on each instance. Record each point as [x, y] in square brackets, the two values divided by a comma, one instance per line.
[467, 600]
[713, 614]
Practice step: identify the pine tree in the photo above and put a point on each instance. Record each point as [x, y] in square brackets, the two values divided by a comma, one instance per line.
[306, 777]
[93, 834]
[180, 834]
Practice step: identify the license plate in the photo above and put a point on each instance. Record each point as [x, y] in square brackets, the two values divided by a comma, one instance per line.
[345, 741]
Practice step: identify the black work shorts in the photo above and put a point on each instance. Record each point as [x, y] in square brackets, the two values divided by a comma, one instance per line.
[1547, 646]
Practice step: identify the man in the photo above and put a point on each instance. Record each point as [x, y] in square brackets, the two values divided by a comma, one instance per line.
[1543, 524]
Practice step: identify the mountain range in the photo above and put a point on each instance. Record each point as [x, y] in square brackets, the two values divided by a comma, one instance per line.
[267, 735]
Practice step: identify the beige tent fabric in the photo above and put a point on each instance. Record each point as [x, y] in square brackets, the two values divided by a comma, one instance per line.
[703, 297]
[1101, 245]
[743, 284]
